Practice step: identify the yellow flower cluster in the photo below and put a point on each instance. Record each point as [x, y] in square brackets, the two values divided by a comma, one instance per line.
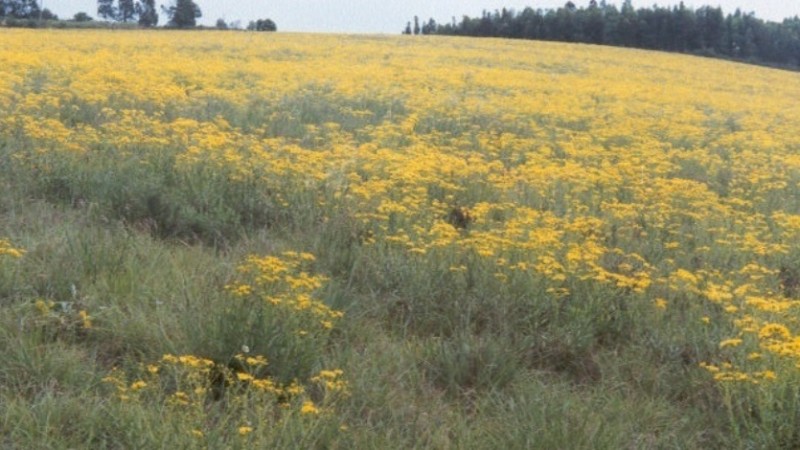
[331, 381]
[282, 281]
[8, 250]
[62, 316]
[188, 383]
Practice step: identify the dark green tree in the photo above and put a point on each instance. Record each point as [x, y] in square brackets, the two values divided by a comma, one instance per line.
[429, 27]
[126, 10]
[684, 28]
[183, 14]
[416, 25]
[146, 10]
[46, 14]
[82, 17]
[106, 9]
[19, 9]
[627, 31]
[262, 25]
[711, 23]
[593, 24]
[703, 31]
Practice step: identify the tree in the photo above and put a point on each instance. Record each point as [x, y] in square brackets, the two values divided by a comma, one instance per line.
[416, 25]
[146, 10]
[593, 24]
[429, 27]
[628, 26]
[262, 25]
[106, 9]
[82, 17]
[19, 9]
[711, 22]
[143, 11]
[126, 10]
[269, 25]
[46, 14]
[183, 14]
[221, 24]
[408, 28]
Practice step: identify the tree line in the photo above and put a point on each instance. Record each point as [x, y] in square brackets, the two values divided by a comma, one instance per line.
[705, 30]
[25, 9]
[180, 14]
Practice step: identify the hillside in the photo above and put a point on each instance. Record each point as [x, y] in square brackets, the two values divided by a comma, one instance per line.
[233, 240]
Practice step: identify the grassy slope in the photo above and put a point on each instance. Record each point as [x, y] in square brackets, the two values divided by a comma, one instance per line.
[431, 360]
[406, 391]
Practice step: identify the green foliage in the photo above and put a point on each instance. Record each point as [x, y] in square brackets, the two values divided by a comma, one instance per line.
[82, 17]
[262, 25]
[106, 9]
[148, 15]
[705, 31]
[182, 14]
[127, 11]
[20, 9]
[470, 365]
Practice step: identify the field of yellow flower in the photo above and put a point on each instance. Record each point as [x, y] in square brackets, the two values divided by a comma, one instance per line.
[403, 241]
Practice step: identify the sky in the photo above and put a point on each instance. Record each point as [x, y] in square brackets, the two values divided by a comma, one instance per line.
[375, 16]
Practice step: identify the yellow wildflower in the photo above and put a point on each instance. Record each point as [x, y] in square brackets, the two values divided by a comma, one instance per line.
[86, 319]
[309, 408]
[734, 342]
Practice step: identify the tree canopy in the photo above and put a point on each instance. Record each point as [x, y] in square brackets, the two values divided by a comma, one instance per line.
[146, 10]
[262, 25]
[19, 9]
[183, 14]
[143, 11]
[705, 30]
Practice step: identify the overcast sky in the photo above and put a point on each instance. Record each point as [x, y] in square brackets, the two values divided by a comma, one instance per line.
[376, 16]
